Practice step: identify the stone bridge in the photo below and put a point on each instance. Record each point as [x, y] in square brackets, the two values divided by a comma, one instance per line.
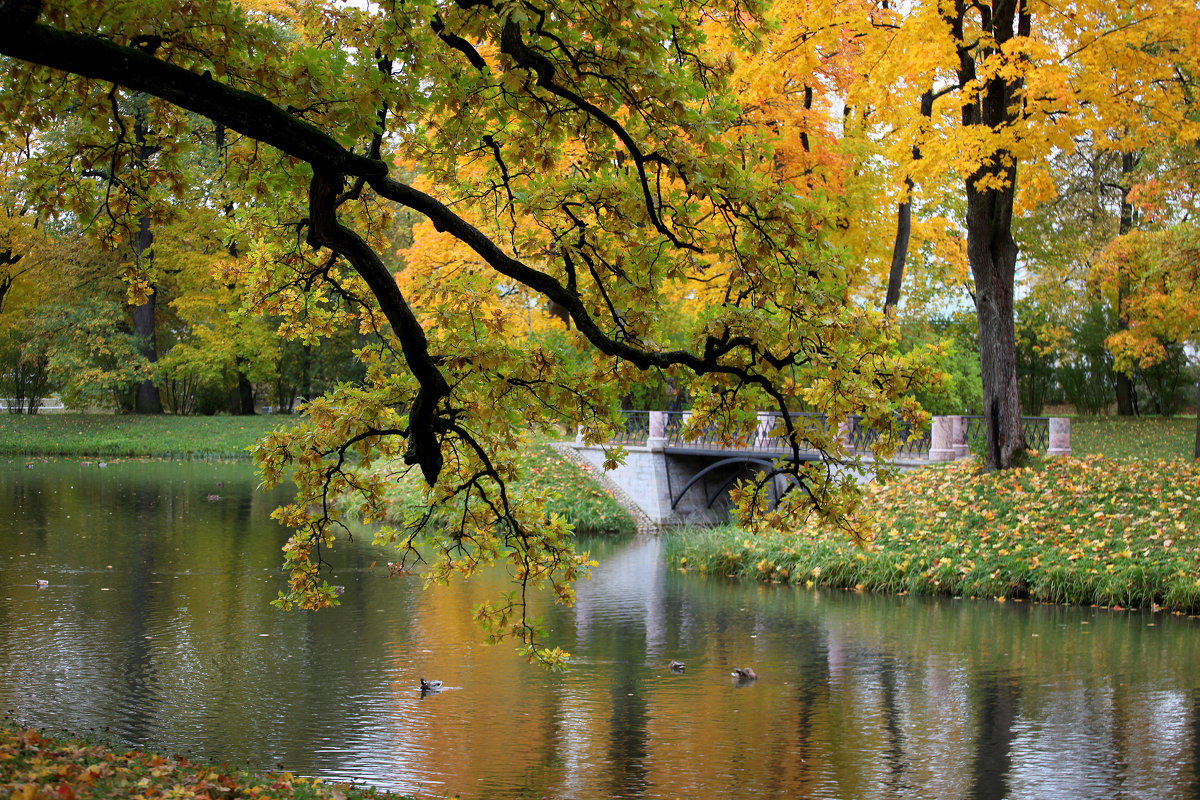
[667, 480]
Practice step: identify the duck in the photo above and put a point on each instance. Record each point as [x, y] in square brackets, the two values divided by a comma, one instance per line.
[677, 666]
[744, 674]
[41, 583]
[430, 686]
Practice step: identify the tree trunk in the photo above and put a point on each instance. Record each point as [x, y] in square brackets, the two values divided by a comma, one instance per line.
[245, 391]
[1124, 383]
[991, 250]
[1196, 449]
[899, 250]
[904, 225]
[144, 327]
[992, 254]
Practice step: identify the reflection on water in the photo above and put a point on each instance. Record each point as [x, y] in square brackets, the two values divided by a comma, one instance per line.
[156, 626]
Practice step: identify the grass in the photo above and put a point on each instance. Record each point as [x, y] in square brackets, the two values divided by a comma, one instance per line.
[112, 435]
[1092, 531]
[1123, 438]
[38, 767]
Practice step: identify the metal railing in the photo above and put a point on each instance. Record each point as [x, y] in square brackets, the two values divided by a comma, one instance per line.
[863, 439]
[635, 430]
[755, 435]
[1037, 432]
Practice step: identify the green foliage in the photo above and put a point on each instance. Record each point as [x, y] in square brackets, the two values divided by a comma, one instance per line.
[76, 344]
[90, 354]
[954, 342]
[307, 369]
[24, 379]
[1064, 530]
[1085, 371]
[1035, 360]
[1165, 386]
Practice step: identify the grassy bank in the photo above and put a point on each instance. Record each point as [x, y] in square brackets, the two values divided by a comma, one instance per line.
[580, 500]
[1064, 530]
[114, 436]
[577, 497]
[37, 767]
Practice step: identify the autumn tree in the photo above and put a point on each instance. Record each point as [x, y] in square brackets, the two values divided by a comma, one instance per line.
[585, 151]
[980, 95]
[1160, 270]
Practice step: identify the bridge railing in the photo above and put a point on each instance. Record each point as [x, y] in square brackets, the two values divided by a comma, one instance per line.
[863, 438]
[947, 438]
[635, 430]
[753, 436]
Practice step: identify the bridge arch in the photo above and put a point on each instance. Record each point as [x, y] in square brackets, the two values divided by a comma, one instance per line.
[743, 460]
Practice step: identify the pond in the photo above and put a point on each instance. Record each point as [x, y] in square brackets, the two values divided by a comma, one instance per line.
[155, 630]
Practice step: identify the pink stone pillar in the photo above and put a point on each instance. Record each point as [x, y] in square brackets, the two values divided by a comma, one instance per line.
[1060, 437]
[942, 439]
[658, 430]
[961, 448]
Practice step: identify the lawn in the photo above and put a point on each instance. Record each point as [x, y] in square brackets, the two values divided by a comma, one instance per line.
[1092, 531]
[1123, 438]
[117, 435]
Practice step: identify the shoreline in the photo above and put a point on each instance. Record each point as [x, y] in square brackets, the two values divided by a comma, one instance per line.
[1084, 532]
[67, 765]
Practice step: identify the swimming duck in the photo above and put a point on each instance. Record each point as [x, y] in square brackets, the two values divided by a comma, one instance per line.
[677, 666]
[430, 686]
[744, 674]
[41, 584]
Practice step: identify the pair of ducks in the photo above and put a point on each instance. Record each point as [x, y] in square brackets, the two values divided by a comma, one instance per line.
[741, 673]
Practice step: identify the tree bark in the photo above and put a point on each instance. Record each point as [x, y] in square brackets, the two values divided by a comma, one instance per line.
[992, 254]
[144, 328]
[904, 224]
[1196, 449]
[1124, 383]
[245, 391]
[991, 250]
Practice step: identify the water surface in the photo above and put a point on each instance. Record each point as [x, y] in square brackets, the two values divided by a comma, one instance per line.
[156, 629]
